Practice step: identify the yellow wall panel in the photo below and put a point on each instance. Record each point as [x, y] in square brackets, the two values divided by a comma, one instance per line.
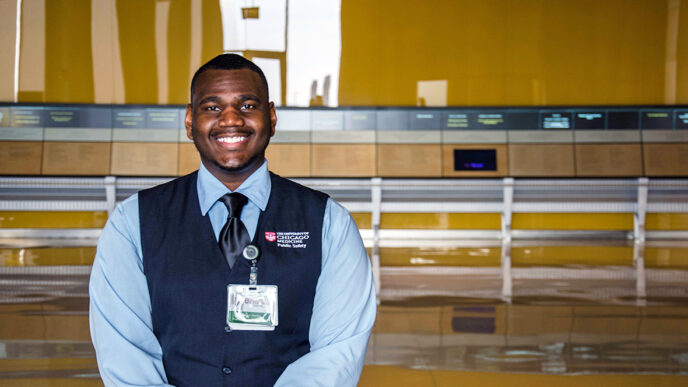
[504, 52]
[666, 221]
[68, 53]
[53, 219]
[666, 257]
[47, 256]
[571, 255]
[363, 220]
[458, 256]
[570, 221]
[136, 24]
[178, 52]
[440, 221]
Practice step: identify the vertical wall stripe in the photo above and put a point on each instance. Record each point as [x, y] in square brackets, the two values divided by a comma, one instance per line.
[107, 63]
[674, 6]
[196, 35]
[162, 11]
[69, 76]
[212, 30]
[136, 23]
[8, 43]
[32, 51]
[17, 50]
[178, 51]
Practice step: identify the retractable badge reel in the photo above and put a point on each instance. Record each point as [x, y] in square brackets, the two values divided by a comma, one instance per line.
[252, 306]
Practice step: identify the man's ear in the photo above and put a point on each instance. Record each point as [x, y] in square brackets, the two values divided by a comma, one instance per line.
[188, 122]
[273, 119]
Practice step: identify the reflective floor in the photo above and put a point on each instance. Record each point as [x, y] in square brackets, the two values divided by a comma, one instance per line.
[571, 318]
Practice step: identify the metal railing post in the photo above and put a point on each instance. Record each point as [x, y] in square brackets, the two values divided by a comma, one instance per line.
[376, 207]
[508, 187]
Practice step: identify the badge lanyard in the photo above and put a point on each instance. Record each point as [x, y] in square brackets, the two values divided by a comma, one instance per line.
[251, 253]
[252, 306]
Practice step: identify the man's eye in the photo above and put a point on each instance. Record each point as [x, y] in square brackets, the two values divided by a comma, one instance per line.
[212, 108]
[248, 106]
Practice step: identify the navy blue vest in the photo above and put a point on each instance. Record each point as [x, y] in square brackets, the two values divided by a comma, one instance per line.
[188, 276]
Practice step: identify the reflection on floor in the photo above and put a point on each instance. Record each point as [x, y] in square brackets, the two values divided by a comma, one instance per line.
[573, 319]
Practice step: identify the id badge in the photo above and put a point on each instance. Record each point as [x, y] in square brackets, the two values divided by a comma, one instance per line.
[252, 307]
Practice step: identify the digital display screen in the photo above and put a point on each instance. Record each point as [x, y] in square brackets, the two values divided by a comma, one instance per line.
[622, 120]
[359, 120]
[129, 118]
[556, 120]
[592, 120]
[475, 159]
[425, 119]
[522, 120]
[392, 120]
[4, 117]
[489, 121]
[27, 117]
[163, 119]
[682, 119]
[657, 120]
[456, 120]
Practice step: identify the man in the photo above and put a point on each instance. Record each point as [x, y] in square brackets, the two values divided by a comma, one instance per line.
[171, 302]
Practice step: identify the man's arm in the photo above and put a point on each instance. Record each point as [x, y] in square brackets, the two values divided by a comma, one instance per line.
[343, 311]
[120, 312]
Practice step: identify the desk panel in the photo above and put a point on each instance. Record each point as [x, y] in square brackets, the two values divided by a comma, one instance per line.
[289, 160]
[666, 159]
[407, 160]
[20, 157]
[144, 159]
[541, 160]
[76, 158]
[343, 160]
[609, 160]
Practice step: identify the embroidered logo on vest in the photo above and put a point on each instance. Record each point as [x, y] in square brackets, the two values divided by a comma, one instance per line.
[292, 240]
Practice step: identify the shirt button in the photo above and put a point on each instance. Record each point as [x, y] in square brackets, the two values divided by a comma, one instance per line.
[227, 329]
[226, 370]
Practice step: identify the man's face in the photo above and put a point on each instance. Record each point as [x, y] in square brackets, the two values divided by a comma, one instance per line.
[231, 121]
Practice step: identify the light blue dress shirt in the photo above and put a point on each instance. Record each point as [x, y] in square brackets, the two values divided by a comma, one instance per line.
[120, 309]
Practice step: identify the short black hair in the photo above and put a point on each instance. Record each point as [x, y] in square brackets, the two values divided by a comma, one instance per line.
[230, 62]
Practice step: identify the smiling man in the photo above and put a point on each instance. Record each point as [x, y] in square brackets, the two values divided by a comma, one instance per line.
[231, 275]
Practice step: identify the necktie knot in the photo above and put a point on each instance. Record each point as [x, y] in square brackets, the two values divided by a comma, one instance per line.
[235, 203]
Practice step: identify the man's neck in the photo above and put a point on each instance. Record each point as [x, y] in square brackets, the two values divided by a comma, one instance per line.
[232, 180]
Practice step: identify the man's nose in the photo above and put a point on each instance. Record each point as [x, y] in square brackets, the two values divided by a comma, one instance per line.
[231, 117]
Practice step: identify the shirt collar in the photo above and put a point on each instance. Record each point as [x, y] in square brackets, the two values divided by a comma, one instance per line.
[256, 188]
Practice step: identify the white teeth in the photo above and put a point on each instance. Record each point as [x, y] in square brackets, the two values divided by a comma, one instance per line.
[231, 140]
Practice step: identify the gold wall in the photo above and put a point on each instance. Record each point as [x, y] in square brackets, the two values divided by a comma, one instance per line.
[512, 52]
[492, 52]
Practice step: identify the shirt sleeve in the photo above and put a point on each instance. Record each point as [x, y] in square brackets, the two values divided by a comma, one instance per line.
[128, 352]
[343, 311]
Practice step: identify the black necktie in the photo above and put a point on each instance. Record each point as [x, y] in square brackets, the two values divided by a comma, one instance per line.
[233, 237]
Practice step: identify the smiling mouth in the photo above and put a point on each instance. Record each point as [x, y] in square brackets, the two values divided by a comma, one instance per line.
[231, 139]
